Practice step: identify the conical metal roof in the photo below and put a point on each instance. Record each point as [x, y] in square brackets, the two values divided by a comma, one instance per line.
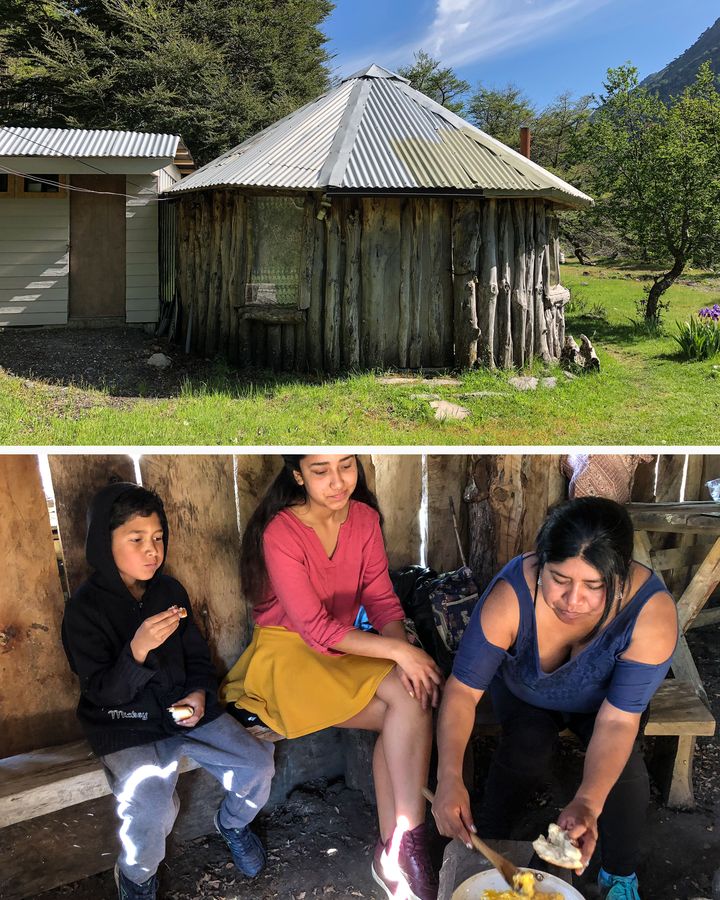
[374, 133]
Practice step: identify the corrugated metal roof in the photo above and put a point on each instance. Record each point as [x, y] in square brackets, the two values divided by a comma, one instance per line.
[375, 133]
[80, 142]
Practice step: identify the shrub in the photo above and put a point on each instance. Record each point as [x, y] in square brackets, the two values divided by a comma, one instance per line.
[699, 338]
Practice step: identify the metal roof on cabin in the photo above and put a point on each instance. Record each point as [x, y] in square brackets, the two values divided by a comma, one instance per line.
[376, 133]
[63, 142]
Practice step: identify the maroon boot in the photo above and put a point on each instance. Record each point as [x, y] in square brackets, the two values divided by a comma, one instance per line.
[416, 870]
[381, 870]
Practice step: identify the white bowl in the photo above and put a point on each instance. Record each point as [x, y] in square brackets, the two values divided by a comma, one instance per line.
[492, 880]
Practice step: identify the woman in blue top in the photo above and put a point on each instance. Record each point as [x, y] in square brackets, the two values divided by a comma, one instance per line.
[575, 635]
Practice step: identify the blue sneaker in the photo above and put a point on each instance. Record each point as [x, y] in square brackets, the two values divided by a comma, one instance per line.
[618, 887]
[247, 851]
[128, 890]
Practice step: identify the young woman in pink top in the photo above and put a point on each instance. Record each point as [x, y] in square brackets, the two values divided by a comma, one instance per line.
[312, 554]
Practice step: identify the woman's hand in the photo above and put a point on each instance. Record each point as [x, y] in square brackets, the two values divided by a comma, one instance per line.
[580, 822]
[153, 632]
[451, 809]
[196, 699]
[419, 674]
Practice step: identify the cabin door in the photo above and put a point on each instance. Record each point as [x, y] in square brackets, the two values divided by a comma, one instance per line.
[97, 248]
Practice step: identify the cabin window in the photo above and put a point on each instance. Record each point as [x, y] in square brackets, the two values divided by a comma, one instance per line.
[4, 184]
[41, 184]
[275, 243]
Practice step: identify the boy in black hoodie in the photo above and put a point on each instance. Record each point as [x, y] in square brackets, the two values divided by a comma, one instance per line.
[129, 635]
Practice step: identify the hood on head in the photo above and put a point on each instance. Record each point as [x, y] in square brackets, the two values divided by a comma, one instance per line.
[98, 545]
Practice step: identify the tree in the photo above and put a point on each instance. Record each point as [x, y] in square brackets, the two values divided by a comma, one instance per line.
[556, 128]
[213, 71]
[500, 112]
[440, 84]
[654, 169]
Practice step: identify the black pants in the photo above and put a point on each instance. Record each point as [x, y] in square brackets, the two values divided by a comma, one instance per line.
[519, 767]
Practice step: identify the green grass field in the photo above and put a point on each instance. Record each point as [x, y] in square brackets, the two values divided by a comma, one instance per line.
[644, 395]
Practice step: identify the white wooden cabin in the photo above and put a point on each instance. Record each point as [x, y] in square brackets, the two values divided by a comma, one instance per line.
[79, 224]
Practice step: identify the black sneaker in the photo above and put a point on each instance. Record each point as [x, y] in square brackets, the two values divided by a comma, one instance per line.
[128, 890]
[247, 851]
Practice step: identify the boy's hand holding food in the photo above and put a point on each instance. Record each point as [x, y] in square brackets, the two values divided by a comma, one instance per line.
[154, 631]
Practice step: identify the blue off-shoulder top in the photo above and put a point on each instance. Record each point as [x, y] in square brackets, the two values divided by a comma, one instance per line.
[582, 683]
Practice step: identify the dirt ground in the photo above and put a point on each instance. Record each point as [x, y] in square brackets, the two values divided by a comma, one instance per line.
[320, 841]
[113, 360]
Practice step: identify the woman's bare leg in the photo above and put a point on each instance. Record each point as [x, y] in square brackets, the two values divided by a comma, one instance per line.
[405, 742]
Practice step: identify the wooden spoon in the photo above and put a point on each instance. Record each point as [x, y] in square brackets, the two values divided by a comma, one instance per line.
[507, 869]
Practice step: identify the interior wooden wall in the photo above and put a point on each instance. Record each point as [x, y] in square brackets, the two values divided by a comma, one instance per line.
[499, 499]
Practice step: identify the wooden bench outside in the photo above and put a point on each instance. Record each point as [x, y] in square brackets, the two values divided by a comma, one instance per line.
[675, 711]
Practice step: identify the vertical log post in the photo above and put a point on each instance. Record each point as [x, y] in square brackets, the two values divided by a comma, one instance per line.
[333, 289]
[351, 291]
[488, 286]
[465, 248]
[518, 296]
[541, 341]
[530, 280]
[505, 261]
[314, 339]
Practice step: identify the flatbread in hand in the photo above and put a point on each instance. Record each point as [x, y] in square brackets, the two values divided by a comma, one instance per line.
[558, 849]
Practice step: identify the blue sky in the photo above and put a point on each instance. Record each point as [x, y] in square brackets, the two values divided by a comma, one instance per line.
[543, 46]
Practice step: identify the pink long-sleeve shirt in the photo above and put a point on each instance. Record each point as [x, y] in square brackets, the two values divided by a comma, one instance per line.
[319, 597]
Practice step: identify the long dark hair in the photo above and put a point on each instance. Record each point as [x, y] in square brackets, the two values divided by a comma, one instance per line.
[598, 531]
[283, 492]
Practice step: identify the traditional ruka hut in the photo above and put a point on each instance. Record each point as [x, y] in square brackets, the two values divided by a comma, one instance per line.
[372, 227]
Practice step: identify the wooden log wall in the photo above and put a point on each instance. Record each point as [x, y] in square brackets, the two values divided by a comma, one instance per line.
[500, 502]
[384, 282]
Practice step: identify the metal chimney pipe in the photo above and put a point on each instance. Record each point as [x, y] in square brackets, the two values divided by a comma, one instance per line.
[525, 140]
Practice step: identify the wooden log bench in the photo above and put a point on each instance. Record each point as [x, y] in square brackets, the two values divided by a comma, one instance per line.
[675, 711]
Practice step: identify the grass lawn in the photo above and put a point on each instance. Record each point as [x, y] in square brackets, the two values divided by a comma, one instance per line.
[644, 394]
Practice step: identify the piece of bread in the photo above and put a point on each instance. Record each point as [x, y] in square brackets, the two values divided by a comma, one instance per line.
[558, 849]
[180, 713]
[182, 612]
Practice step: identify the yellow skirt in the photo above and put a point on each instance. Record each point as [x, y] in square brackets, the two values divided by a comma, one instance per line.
[296, 690]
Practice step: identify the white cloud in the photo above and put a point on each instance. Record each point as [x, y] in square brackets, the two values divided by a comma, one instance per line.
[466, 31]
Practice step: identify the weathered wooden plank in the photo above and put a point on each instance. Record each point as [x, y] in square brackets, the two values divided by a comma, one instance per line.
[374, 263]
[274, 346]
[314, 330]
[447, 476]
[44, 781]
[700, 517]
[643, 490]
[465, 248]
[241, 328]
[543, 486]
[530, 280]
[199, 497]
[38, 693]
[518, 297]
[420, 352]
[487, 292]
[710, 471]
[677, 709]
[398, 481]
[441, 284]
[351, 291]
[226, 310]
[664, 560]
[407, 274]
[541, 343]
[215, 273]
[307, 253]
[287, 362]
[702, 585]
[505, 277]
[273, 315]
[391, 292]
[76, 478]
[332, 318]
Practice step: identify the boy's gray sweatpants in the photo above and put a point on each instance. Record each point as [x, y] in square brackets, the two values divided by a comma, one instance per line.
[143, 780]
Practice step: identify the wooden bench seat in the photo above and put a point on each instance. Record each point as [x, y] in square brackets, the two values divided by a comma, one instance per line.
[45, 781]
[675, 711]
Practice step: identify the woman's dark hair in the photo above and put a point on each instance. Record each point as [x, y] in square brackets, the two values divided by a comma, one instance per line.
[136, 501]
[283, 492]
[598, 531]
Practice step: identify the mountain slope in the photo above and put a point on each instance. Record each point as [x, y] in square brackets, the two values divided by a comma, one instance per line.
[678, 74]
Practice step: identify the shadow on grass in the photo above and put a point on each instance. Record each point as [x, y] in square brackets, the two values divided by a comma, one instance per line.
[602, 332]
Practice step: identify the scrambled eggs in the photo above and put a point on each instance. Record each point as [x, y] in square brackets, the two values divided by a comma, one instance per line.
[524, 884]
